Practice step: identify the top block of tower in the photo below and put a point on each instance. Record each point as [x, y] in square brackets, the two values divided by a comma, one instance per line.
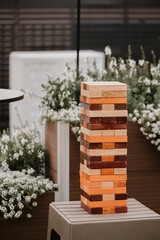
[108, 86]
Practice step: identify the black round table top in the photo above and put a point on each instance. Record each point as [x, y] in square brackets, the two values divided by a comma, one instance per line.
[9, 95]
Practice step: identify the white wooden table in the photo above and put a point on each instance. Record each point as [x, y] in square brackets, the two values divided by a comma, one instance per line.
[69, 221]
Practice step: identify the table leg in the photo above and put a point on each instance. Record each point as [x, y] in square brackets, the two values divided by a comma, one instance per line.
[54, 235]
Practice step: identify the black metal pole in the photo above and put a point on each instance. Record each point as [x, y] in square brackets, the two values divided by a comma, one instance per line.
[78, 30]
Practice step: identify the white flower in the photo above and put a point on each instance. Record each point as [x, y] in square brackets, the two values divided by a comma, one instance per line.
[29, 215]
[34, 204]
[134, 119]
[141, 62]
[108, 51]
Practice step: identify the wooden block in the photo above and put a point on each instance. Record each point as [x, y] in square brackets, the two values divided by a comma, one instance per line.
[107, 203]
[90, 171]
[108, 113]
[83, 199]
[97, 132]
[108, 197]
[120, 158]
[91, 119]
[119, 107]
[120, 184]
[91, 145]
[121, 196]
[109, 210]
[120, 170]
[121, 209]
[106, 126]
[120, 151]
[120, 93]
[91, 94]
[89, 184]
[102, 178]
[107, 171]
[93, 107]
[106, 165]
[103, 152]
[108, 158]
[118, 120]
[108, 94]
[107, 184]
[121, 120]
[91, 158]
[120, 132]
[108, 86]
[93, 132]
[108, 145]
[105, 139]
[102, 191]
[108, 107]
[119, 145]
[91, 197]
[91, 210]
[104, 100]
[106, 132]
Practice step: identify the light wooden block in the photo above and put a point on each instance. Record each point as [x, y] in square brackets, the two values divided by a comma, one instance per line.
[103, 152]
[120, 93]
[107, 107]
[107, 184]
[108, 86]
[89, 171]
[120, 171]
[120, 151]
[107, 132]
[108, 197]
[108, 94]
[120, 132]
[108, 113]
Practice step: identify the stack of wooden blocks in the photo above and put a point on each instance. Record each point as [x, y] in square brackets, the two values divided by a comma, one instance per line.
[103, 147]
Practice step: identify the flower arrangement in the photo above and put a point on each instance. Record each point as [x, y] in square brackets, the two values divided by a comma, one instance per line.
[24, 150]
[19, 190]
[21, 180]
[142, 78]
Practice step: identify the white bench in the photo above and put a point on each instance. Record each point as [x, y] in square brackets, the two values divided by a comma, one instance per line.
[69, 221]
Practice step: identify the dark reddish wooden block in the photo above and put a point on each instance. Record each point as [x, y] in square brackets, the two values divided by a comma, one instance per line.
[120, 158]
[106, 126]
[84, 86]
[91, 106]
[109, 120]
[100, 165]
[91, 198]
[121, 120]
[91, 119]
[121, 209]
[90, 158]
[91, 145]
[121, 196]
[120, 106]
[121, 145]
[91, 210]
[96, 107]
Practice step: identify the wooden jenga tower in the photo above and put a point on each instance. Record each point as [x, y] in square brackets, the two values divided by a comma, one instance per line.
[103, 147]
